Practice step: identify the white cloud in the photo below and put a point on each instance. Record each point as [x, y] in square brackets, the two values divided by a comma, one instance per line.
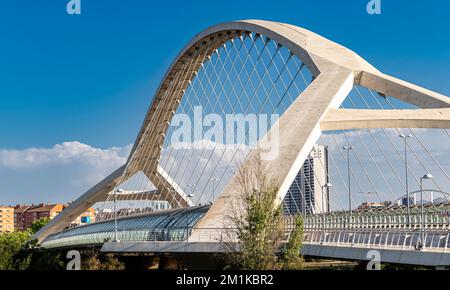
[64, 153]
[56, 174]
[63, 172]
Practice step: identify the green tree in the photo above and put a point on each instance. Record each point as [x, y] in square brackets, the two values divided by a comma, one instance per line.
[45, 259]
[93, 260]
[10, 245]
[290, 255]
[19, 250]
[38, 224]
[256, 226]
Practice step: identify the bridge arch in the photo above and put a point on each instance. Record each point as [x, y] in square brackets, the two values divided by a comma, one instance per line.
[335, 70]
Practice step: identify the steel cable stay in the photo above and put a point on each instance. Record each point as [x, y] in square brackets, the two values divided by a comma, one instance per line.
[151, 147]
[413, 151]
[415, 177]
[192, 82]
[267, 96]
[191, 85]
[146, 142]
[122, 178]
[370, 154]
[255, 90]
[351, 172]
[331, 155]
[213, 151]
[193, 149]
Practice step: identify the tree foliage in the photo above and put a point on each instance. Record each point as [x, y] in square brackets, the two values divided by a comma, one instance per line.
[19, 250]
[93, 260]
[256, 229]
[11, 244]
[38, 224]
[290, 256]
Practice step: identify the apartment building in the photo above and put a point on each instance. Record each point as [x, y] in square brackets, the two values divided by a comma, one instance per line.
[6, 219]
[25, 215]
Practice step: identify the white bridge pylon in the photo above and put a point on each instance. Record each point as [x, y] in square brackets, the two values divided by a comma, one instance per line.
[335, 71]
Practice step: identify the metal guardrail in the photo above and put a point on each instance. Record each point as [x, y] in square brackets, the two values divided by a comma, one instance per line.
[437, 220]
[436, 240]
[178, 235]
[370, 238]
[349, 230]
[404, 240]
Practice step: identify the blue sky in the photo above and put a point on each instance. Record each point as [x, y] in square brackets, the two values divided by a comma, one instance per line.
[89, 78]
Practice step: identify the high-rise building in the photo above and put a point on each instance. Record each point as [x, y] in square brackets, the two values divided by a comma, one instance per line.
[6, 219]
[307, 193]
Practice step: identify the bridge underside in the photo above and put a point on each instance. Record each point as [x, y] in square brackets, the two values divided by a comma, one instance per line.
[355, 253]
[394, 256]
[171, 231]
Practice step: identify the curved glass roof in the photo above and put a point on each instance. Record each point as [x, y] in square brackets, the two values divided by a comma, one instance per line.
[169, 225]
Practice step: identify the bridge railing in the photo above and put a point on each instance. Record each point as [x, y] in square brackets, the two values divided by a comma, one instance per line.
[435, 220]
[398, 239]
[405, 239]
[410, 239]
[336, 230]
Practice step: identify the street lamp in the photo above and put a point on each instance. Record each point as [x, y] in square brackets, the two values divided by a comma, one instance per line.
[119, 190]
[191, 194]
[405, 139]
[213, 179]
[422, 216]
[348, 148]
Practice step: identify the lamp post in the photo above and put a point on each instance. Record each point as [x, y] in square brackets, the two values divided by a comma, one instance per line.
[405, 139]
[119, 190]
[190, 195]
[213, 179]
[422, 215]
[348, 148]
[191, 190]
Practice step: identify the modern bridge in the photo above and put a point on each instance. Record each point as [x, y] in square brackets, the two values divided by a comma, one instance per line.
[381, 136]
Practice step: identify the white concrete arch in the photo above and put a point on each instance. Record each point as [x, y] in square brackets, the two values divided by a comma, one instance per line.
[347, 119]
[336, 70]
